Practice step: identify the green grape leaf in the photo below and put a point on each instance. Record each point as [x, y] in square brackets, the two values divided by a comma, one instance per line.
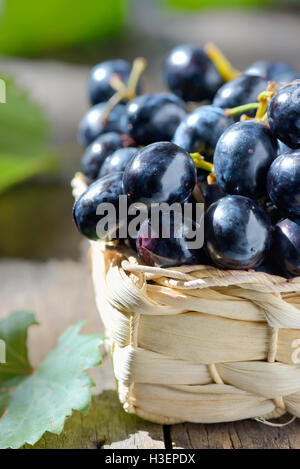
[4, 401]
[13, 331]
[23, 125]
[44, 400]
[16, 168]
[23, 137]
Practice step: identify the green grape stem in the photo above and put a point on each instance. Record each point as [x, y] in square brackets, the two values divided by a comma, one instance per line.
[241, 109]
[200, 162]
[222, 64]
[122, 91]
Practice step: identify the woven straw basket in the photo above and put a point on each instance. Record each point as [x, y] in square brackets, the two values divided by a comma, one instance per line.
[195, 343]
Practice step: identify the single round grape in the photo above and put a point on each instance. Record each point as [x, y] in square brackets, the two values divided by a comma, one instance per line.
[190, 74]
[161, 172]
[242, 158]
[99, 87]
[156, 250]
[92, 125]
[242, 90]
[284, 115]
[273, 71]
[117, 161]
[98, 151]
[154, 117]
[105, 190]
[200, 130]
[283, 183]
[237, 233]
[286, 247]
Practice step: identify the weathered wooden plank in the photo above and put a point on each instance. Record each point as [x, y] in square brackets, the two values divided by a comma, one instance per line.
[106, 426]
[191, 436]
[245, 434]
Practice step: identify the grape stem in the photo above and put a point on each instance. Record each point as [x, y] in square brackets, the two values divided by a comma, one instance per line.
[222, 64]
[264, 98]
[122, 91]
[261, 106]
[200, 162]
[211, 179]
[241, 109]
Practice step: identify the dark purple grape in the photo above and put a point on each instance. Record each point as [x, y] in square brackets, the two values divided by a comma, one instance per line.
[117, 161]
[268, 267]
[242, 90]
[99, 87]
[190, 74]
[161, 172]
[283, 148]
[286, 247]
[273, 71]
[237, 233]
[210, 192]
[275, 215]
[92, 125]
[156, 250]
[283, 183]
[284, 115]
[242, 158]
[200, 130]
[98, 151]
[105, 190]
[154, 117]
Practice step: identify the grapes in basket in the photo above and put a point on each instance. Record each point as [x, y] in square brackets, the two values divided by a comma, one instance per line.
[206, 171]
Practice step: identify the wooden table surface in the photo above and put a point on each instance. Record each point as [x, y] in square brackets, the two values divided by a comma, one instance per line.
[60, 293]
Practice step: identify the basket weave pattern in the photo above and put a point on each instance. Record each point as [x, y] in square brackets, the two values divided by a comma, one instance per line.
[198, 344]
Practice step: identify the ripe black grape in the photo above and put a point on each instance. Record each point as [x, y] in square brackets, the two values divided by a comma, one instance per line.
[284, 115]
[98, 151]
[273, 71]
[283, 183]
[93, 125]
[161, 172]
[200, 130]
[242, 90]
[242, 158]
[155, 250]
[237, 233]
[117, 161]
[154, 117]
[191, 75]
[99, 87]
[286, 247]
[283, 148]
[105, 190]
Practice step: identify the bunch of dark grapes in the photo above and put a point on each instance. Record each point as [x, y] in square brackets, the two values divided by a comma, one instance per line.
[229, 140]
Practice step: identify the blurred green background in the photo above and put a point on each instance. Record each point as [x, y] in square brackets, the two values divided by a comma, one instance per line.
[32, 26]
[46, 51]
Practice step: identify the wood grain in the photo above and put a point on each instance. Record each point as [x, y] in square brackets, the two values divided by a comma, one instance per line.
[247, 434]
